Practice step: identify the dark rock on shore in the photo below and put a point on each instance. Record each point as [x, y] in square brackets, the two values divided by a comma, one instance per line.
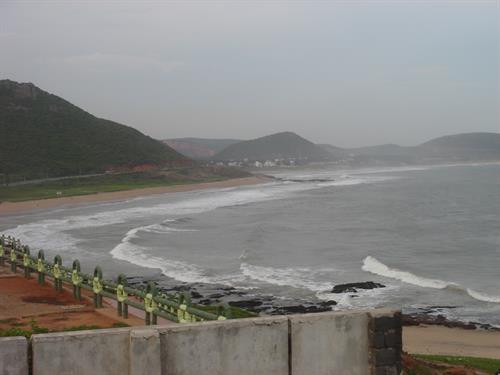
[353, 287]
[248, 304]
[195, 294]
[441, 320]
[299, 309]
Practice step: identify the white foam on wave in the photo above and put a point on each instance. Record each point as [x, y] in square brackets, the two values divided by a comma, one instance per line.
[295, 277]
[372, 265]
[483, 297]
[128, 251]
[53, 234]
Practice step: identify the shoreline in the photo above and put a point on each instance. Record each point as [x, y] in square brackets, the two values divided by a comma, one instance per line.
[9, 208]
[441, 340]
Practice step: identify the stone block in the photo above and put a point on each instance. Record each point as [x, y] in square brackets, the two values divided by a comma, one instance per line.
[385, 357]
[97, 352]
[145, 352]
[330, 343]
[387, 370]
[247, 346]
[13, 356]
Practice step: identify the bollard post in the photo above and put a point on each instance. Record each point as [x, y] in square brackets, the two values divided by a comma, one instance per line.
[26, 262]
[56, 273]
[40, 267]
[149, 304]
[13, 258]
[76, 279]
[121, 296]
[182, 314]
[97, 287]
[2, 251]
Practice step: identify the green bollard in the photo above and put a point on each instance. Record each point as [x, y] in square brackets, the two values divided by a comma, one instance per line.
[182, 314]
[77, 280]
[40, 267]
[2, 253]
[57, 274]
[13, 259]
[26, 262]
[97, 287]
[150, 305]
[121, 296]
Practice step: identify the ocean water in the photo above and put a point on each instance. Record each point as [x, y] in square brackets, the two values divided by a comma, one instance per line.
[430, 234]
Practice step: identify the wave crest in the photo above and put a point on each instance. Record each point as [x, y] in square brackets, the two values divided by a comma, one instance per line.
[372, 265]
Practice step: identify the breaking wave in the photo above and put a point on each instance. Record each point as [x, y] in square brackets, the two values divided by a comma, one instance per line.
[295, 277]
[372, 265]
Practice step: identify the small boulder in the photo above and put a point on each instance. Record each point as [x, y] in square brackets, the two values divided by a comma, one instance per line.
[353, 287]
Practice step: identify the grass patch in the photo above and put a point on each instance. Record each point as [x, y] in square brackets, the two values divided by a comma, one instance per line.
[236, 312]
[15, 331]
[85, 186]
[83, 327]
[484, 364]
[120, 325]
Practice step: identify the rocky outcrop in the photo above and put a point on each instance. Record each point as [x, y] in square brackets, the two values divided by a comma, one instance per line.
[353, 287]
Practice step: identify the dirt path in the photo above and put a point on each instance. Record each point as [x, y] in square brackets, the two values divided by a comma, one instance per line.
[24, 301]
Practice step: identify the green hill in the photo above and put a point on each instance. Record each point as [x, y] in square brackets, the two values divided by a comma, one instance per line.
[463, 147]
[199, 148]
[284, 145]
[44, 135]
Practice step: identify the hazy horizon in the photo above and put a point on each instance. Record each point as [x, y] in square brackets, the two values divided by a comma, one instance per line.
[343, 73]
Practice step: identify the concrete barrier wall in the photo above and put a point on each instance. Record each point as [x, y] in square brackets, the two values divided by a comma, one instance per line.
[351, 342]
[84, 353]
[330, 343]
[13, 356]
[243, 347]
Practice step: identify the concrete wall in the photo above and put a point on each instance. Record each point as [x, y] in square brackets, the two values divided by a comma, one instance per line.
[347, 343]
[96, 352]
[13, 356]
[244, 347]
[330, 343]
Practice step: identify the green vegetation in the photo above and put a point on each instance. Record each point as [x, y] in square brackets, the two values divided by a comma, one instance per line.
[484, 364]
[120, 325]
[83, 327]
[116, 182]
[236, 312]
[285, 145]
[15, 331]
[84, 186]
[35, 329]
[45, 136]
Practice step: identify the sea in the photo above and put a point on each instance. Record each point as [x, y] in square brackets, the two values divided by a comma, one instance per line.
[430, 234]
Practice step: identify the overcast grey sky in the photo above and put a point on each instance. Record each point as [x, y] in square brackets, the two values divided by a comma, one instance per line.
[341, 72]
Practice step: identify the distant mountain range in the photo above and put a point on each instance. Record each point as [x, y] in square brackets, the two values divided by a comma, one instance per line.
[284, 145]
[199, 148]
[469, 147]
[44, 135]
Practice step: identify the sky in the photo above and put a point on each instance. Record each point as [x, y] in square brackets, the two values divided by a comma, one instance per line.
[348, 73]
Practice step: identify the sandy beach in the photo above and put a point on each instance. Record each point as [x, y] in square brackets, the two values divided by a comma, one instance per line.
[451, 341]
[7, 208]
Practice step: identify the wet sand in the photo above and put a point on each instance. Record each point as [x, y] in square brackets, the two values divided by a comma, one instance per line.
[451, 341]
[7, 208]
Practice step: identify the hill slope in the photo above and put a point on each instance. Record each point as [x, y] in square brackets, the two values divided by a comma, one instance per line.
[285, 145]
[467, 147]
[463, 147]
[44, 135]
[199, 148]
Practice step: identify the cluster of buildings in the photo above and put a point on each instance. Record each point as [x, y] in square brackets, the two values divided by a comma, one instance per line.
[247, 163]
